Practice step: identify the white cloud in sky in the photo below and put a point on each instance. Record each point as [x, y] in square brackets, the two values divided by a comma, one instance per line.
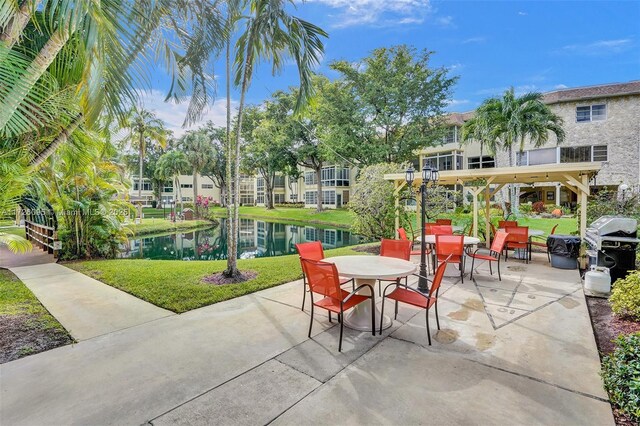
[445, 21]
[173, 114]
[600, 47]
[560, 86]
[377, 12]
[522, 13]
[457, 102]
[474, 40]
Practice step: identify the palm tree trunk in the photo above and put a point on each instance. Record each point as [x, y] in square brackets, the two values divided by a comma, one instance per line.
[230, 192]
[18, 23]
[62, 138]
[33, 72]
[195, 192]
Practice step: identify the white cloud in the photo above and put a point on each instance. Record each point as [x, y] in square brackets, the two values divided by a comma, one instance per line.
[522, 13]
[445, 21]
[599, 47]
[377, 12]
[173, 114]
[474, 40]
[560, 86]
[457, 102]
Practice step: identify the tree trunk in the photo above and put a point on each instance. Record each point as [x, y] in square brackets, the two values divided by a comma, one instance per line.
[268, 184]
[195, 193]
[62, 138]
[140, 165]
[18, 22]
[319, 188]
[33, 72]
[177, 180]
[232, 269]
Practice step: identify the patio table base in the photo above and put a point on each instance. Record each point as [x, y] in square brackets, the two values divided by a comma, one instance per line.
[359, 318]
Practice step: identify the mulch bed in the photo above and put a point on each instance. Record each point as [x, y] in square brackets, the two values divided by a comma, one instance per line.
[607, 327]
[220, 279]
[20, 335]
[373, 249]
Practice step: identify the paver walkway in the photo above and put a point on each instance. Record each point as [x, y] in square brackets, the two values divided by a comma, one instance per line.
[520, 351]
[85, 307]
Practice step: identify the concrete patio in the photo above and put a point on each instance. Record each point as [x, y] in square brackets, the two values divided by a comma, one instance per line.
[520, 351]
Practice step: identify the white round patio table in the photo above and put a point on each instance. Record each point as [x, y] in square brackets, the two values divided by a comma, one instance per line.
[431, 239]
[532, 232]
[366, 270]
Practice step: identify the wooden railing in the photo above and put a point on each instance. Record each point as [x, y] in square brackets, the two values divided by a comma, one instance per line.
[42, 236]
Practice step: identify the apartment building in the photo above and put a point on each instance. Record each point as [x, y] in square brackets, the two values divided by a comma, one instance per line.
[206, 188]
[602, 123]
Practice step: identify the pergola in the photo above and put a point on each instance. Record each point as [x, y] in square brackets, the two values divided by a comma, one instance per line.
[575, 176]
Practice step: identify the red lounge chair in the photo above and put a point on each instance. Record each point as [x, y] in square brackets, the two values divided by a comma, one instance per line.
[405, 294]
[313, 251]
[323, 280]
[400, 249]
[494, 253]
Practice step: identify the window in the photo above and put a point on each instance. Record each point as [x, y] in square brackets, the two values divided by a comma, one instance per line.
[278, 198]
[329, 198]
[451, 136]
[310, 197]
[260, 198]
[278, 182]
[575, 154]
[187, 199]
[342, 177]
[310, 178]
[207, 186]
[328, 176]
[146, 185]
[486, 162]
[445, 160]
[168, 187]
[600, 153]
[186, 185]
[591, 113]
[543, 156]
[522, 158]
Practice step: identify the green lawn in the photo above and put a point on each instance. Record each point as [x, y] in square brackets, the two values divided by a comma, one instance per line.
[150, 212]
[30, 327]
[177, 285]
[15, 230]
[157, 226]
[340, 218]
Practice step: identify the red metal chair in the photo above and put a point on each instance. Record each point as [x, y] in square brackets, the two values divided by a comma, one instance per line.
[427, 228]
[400, 249]
[405, 294]
[443, 221]
[450, 249]
[324, 280]
[502, 224]
[442, 230]
[314, 251]
[494, 253]
[402, 233]
[542, 244]
[518, 239]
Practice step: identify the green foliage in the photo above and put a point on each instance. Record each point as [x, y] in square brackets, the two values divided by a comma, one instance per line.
[177, 285]
[625, 296]
[539, 207]
[373, 202]
[526, 209]
[621, 375]
[607, 202]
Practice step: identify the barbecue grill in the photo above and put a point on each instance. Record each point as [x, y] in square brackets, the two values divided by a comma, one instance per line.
[612, 242]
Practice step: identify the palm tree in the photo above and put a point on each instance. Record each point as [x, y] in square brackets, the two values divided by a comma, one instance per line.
[143, 129]
[269, 32]
[199, 152]
[170, 166]
[13, 164]
[507, 123]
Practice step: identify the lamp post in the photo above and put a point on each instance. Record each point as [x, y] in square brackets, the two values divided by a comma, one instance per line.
[428, 175]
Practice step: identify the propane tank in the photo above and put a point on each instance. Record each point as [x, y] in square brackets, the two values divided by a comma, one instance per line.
[597, 281]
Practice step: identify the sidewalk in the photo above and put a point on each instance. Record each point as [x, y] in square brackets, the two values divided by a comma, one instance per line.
[523, 359]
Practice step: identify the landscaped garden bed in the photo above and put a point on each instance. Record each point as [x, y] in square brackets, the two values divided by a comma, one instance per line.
[26, 327]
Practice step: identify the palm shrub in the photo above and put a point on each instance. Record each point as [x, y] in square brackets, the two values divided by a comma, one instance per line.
[621, 375]
[625, 297]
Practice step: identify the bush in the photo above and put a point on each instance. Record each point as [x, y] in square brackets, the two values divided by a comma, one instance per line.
[621, 375]
[526, 209]
[625, 297]
[539, 207]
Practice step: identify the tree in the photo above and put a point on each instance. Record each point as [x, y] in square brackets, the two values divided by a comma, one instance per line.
[215, 168]
[170, 166]
[402, 100]
[198, 151]
[270, 32]
[144, 129]
[507, 123]
[13, 166]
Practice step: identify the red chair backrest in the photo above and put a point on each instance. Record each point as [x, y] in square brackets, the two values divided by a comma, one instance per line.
[499, 241]
[553, 230]
[312, 250]
[400, 249]
[449, 245]
[442, 230]
[443, 221]
[504, 223]
[437, 278]
[322, 278]
[427, 228]
[402, 234]
[519, 234]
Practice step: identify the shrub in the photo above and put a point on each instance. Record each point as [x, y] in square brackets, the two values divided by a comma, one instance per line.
[526, 208]
[539, 207]
[621, 375]
[625, 297]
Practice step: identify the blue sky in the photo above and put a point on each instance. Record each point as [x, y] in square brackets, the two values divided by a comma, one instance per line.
[531, 45]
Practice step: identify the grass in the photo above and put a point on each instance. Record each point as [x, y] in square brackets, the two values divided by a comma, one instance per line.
[158, 226]
[339, 218]
[177, 285]
[150, 212]
[17, 299]
[14, 230]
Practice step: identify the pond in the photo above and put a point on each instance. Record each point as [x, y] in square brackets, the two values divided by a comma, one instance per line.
[257, 239]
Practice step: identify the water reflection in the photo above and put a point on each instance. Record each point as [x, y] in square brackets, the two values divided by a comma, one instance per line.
[257, 239]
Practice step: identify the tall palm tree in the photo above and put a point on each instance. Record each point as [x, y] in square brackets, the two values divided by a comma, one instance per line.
[13, 164]
[507, 123]
[269, 32]
[199, 152]
[143, 128]
[170, 166]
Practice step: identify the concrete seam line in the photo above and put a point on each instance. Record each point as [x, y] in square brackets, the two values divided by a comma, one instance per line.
[299, 371]
[171, 314]
[277, 301]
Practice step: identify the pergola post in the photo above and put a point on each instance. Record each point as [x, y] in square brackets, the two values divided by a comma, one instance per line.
[475, 211]
[487, 216]
[583, 205]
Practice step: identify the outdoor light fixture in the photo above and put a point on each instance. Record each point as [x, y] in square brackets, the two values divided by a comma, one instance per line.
[429, 174]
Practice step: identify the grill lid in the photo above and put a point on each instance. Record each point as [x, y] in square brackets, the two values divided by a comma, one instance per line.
[614, 226]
